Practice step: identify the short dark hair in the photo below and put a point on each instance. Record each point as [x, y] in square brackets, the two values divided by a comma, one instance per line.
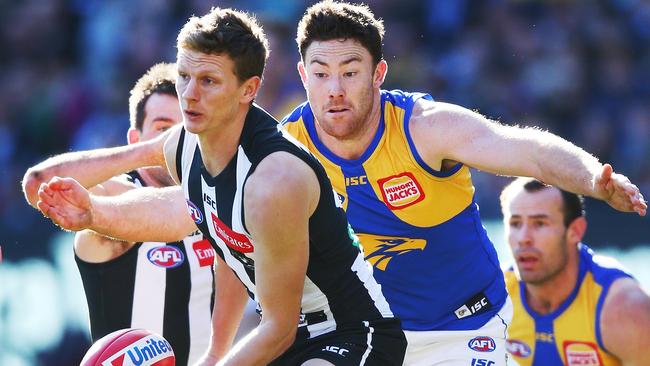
[573, 205]
[159, 79]
[328, 20]
[231, 32]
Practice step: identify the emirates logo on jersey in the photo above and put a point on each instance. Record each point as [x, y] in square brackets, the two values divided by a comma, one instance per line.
[234, 240]
[204, 252]
[400, 191]
[166, 256]
[581, 354]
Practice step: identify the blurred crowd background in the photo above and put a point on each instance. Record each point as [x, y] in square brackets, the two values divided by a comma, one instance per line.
[580, 69]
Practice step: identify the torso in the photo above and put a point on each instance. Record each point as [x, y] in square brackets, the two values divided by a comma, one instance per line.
[419, 227]
[338, 287]
[569, 335]
[163, 287]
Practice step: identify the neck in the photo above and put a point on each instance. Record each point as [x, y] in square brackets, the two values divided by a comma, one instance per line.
[353, 146]
[219, 145]
[546, 297]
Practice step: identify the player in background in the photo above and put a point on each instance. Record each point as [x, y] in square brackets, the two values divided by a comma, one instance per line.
[163, 287]
[400, 163]
[571, 306]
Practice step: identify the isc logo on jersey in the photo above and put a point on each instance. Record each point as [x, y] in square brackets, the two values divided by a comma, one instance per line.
[400, 191]
[146, 351]
[517, 348]
[165, 256]
[581, 354]
[195, 213]
[482, 344]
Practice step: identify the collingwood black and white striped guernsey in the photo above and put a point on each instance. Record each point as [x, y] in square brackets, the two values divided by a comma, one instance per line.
[163, 287]
[339, 290]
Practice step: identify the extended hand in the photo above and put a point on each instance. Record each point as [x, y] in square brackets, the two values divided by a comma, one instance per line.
[619, 192]
[66, 203]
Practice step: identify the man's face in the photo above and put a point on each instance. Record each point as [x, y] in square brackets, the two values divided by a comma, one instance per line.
[536, 233]
[161, 112]
[209, 91]
[341, 85]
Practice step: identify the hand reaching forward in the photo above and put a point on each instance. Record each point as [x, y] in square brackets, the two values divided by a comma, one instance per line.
[66, 203]
[619, 192]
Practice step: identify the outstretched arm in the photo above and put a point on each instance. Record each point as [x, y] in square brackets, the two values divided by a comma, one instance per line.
[142, 214]
[93, 167]
[445, 132]
[625, 323]
[281, 253]
[229, 302]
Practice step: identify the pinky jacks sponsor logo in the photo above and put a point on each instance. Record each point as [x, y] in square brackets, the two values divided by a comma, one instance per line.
[166, 256]
[145, 351]
[581, 354]
[195, 213]
[518, 348]
[400, 191]
[482, 344]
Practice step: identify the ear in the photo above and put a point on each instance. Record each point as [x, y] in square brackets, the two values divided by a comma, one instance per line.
[380, 73]
[576, 230]
[303, 73]
[133, 135]
[250, 88]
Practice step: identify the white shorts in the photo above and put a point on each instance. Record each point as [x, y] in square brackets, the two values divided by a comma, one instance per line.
[481, 347]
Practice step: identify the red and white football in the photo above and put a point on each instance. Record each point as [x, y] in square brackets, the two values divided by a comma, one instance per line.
[130, 347]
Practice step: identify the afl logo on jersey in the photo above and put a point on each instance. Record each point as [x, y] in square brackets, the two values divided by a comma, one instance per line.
[400, 191]
[165, 256]
[517, 348]
[482, 344]
[195, 213]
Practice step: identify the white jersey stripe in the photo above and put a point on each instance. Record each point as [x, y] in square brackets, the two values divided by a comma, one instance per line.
[363, 271]
[368, 342]
[150, 283]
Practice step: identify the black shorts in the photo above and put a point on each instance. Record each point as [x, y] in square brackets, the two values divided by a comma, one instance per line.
[375, 343]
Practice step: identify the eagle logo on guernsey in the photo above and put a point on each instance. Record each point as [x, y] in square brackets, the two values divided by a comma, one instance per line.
[165, 256]
[380, 250]
[234, 240]
[581, 354]
[400, 191]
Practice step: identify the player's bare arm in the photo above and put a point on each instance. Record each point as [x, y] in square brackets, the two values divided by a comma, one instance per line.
[279, 224]
[445, 133]
[93, 167]
[625, 322]
[143, 214]
[229, 301]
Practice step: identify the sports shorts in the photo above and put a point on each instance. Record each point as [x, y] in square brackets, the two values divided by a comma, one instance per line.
[373, 343]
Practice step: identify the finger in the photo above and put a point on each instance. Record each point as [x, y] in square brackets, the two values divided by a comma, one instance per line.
[605, 174]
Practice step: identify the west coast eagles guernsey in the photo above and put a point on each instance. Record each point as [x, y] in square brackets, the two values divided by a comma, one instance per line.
[570, 335]
[420, 228]
[164, 287]
[339, 289]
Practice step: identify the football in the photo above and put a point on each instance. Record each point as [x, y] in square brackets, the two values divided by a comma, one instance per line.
[130, 347]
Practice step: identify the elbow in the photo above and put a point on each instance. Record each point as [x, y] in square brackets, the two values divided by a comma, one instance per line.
[285, 335]
[31, 182]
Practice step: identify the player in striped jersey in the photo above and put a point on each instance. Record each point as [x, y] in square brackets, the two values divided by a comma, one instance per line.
[263, 201]
[163, 287]
[571, 306]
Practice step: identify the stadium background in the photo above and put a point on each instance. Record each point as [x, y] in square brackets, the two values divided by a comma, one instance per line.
[580, 69]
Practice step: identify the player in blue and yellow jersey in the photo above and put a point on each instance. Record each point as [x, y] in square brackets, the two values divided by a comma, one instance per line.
[400, 164]
[571, 307]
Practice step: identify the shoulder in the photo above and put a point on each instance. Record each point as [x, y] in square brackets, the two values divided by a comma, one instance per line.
[94, 248]
[278, 177]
